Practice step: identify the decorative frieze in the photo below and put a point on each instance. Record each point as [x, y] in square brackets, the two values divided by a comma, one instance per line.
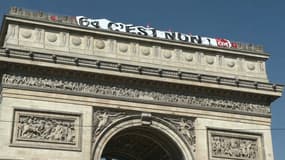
[135, 94]
[234, 146]
[46, 130]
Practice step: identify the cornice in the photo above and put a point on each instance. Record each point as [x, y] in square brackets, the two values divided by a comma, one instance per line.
[140, 72]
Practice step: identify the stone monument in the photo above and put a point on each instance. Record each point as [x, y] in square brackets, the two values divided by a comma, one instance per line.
[75, 93]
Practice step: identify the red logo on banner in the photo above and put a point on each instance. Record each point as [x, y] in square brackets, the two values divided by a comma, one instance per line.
[53, 18]
[221, 42]
[234, 45]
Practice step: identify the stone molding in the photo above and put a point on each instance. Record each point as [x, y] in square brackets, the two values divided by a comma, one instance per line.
[102, 47]
[151, 71]
[234, 145]
[52, 130]
[130, 94]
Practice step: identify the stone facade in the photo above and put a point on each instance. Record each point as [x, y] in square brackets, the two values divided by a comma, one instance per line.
[73, 93]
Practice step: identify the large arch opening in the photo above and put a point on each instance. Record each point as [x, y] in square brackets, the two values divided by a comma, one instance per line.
[141, 143]
[139, 137]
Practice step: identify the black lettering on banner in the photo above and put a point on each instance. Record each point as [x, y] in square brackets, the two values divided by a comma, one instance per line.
[95, 24]
[122, 26]
[170, 35]
[196, 39]
[183, 37]
[209, 41]
[142, 31]
[113, 26]
[130, 29]
[84, 22]
[154, 34]
[206, 40]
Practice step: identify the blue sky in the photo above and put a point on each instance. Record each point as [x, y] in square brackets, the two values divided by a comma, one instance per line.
[252, 21]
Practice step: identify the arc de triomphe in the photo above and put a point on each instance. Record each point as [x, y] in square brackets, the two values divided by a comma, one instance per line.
[71, 92]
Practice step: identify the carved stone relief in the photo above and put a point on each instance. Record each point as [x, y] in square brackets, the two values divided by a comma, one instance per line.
[230, 145]
[100, 44]
[184, 126]
[79, 43]
[231, 64]
[46, 130]
[145, 51]
[210, 60]
[251, 66]
[51, 37]
[102, 118]
[167, 54]
[189, 57]
[123, 48]
[76, 41]
[25, 33]
[135, 94]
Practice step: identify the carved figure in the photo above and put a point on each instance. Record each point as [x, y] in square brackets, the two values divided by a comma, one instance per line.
[28, 128]
[102, 119]
[185, 127]
[70, 134]
[48, 129]
[20, 127]
[57, 131]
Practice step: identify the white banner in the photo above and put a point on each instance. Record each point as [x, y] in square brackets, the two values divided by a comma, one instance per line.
[152, 32]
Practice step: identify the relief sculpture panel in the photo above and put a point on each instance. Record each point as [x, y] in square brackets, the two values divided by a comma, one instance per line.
[234, 146]
[46, 130]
